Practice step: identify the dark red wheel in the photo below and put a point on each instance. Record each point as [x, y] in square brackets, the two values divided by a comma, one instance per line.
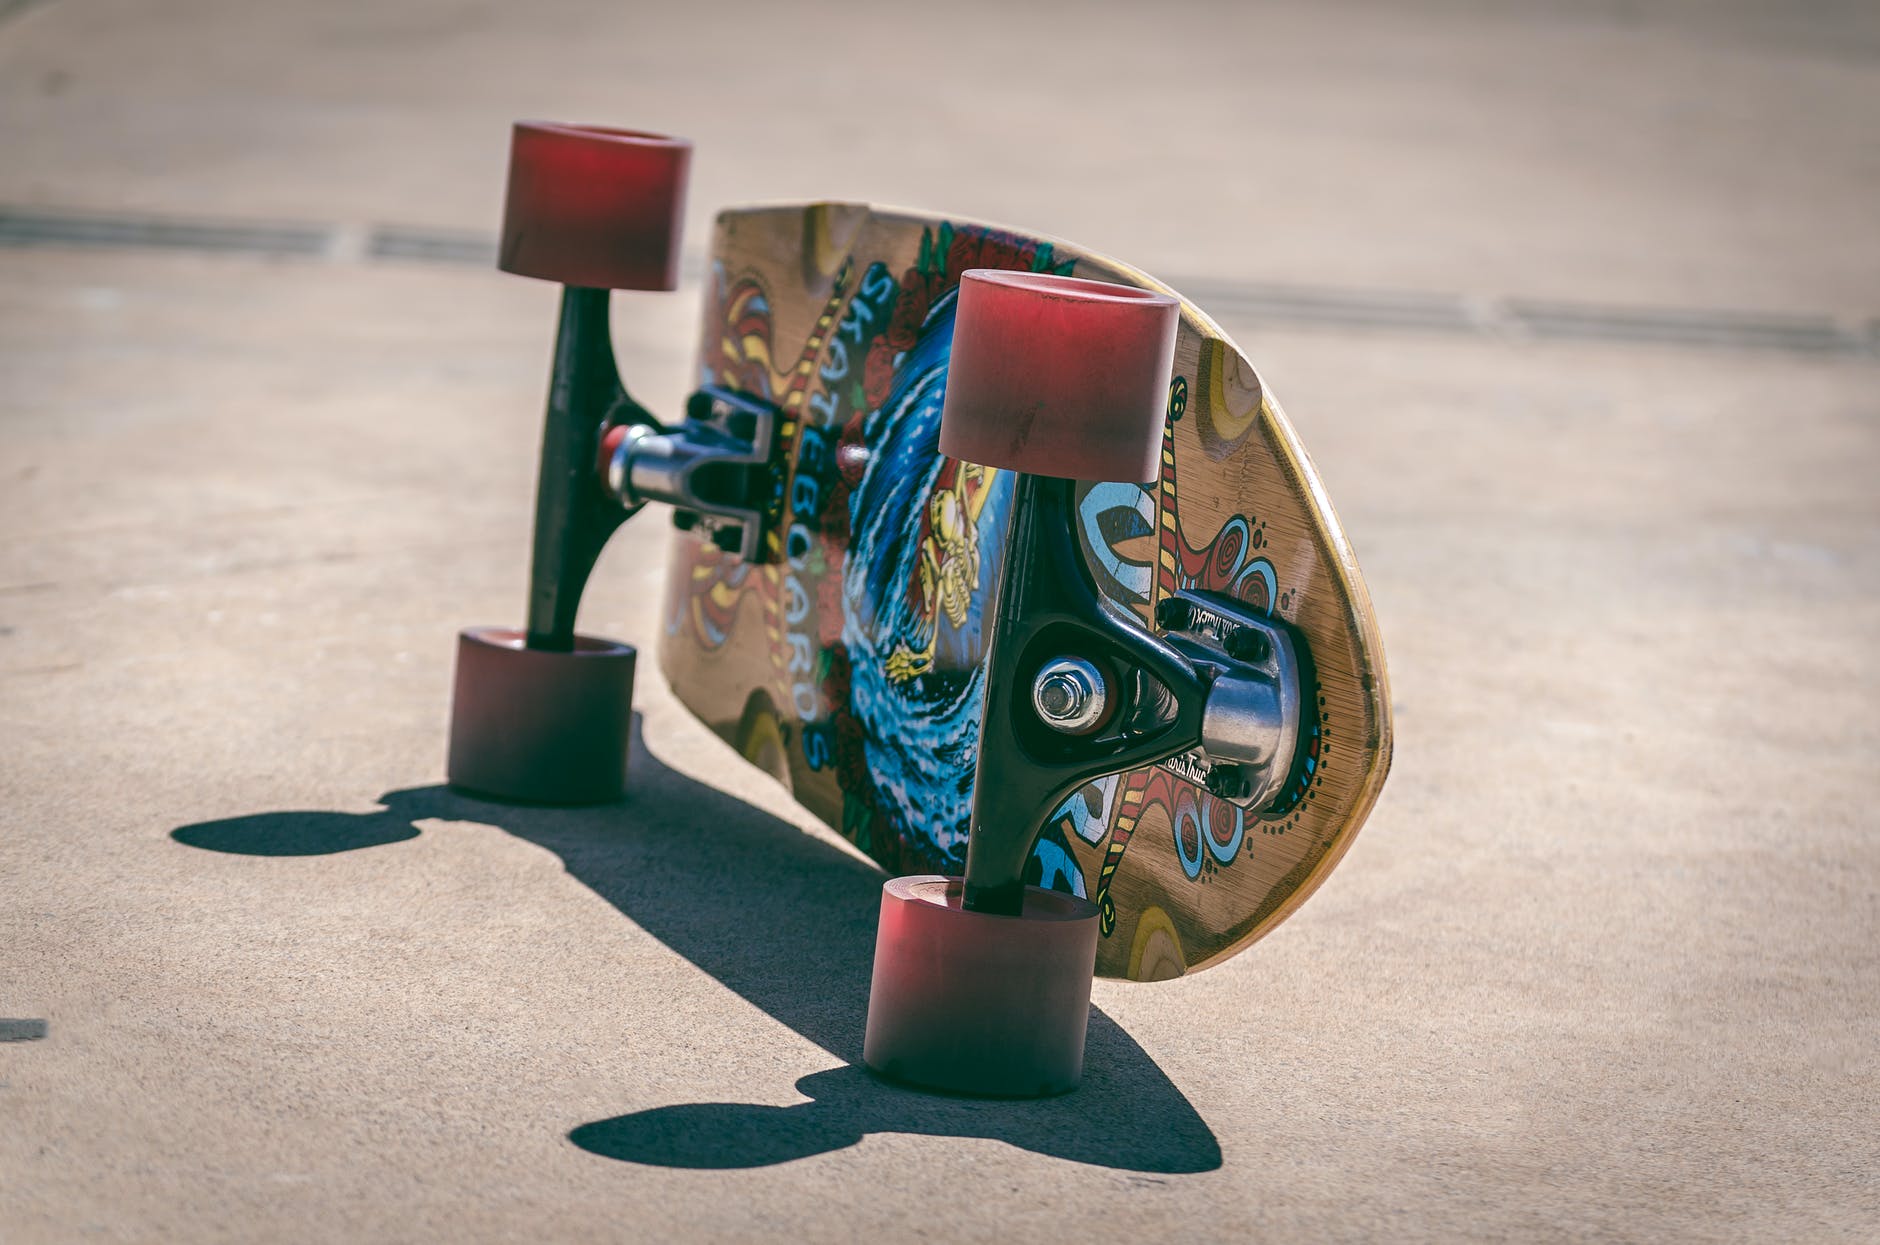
[595, 207]
[973, 1003]
[1058, 376]
[532, 726]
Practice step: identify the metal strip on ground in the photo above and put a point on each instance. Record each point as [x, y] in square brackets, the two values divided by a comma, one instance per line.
[1253, 303]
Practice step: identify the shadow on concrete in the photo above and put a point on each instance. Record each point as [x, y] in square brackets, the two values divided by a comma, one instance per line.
[789, 923]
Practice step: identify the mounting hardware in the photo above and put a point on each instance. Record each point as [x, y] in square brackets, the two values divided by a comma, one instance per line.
[1173, 614]
[1246, 644]
[1228, 782]
[1070, 695]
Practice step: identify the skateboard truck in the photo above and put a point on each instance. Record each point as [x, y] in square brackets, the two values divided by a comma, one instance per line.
[542, 714]
[982, 984]
[1075, 691]
[714, 469]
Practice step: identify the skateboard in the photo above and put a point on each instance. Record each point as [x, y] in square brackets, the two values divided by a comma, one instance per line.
[846, 666]
[1147, 609]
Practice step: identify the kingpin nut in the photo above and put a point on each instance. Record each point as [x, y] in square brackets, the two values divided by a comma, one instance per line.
[1069, 694]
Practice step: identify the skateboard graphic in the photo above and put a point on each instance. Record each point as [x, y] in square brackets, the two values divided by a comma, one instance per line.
[1125, 581]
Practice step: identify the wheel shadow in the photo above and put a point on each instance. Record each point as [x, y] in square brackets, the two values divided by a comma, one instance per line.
[788, 922]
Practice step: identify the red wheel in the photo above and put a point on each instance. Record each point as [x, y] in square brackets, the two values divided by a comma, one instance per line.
[537, 727]
[973, 1003]
[595, 207]
[1058, 376]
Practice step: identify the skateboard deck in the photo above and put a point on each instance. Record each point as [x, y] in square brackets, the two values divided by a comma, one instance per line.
[849, 662]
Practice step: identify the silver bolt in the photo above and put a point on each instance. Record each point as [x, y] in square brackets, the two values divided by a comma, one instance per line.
[1069, 695]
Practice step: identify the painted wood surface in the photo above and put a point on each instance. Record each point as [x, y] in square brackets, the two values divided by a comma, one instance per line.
[851, 666]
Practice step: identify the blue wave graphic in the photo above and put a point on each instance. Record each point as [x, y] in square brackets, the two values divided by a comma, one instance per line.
[923, 733]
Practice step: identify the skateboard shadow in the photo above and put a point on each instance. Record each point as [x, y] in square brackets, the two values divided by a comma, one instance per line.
[787, 922]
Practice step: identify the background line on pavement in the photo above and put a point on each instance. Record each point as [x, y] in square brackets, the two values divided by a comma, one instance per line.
[1242, 302]
[20, 227]
[432, 246]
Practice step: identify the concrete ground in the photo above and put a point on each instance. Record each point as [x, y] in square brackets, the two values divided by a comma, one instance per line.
[1605, 964]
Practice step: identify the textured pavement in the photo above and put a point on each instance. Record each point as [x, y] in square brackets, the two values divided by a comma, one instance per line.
[1604, 964]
